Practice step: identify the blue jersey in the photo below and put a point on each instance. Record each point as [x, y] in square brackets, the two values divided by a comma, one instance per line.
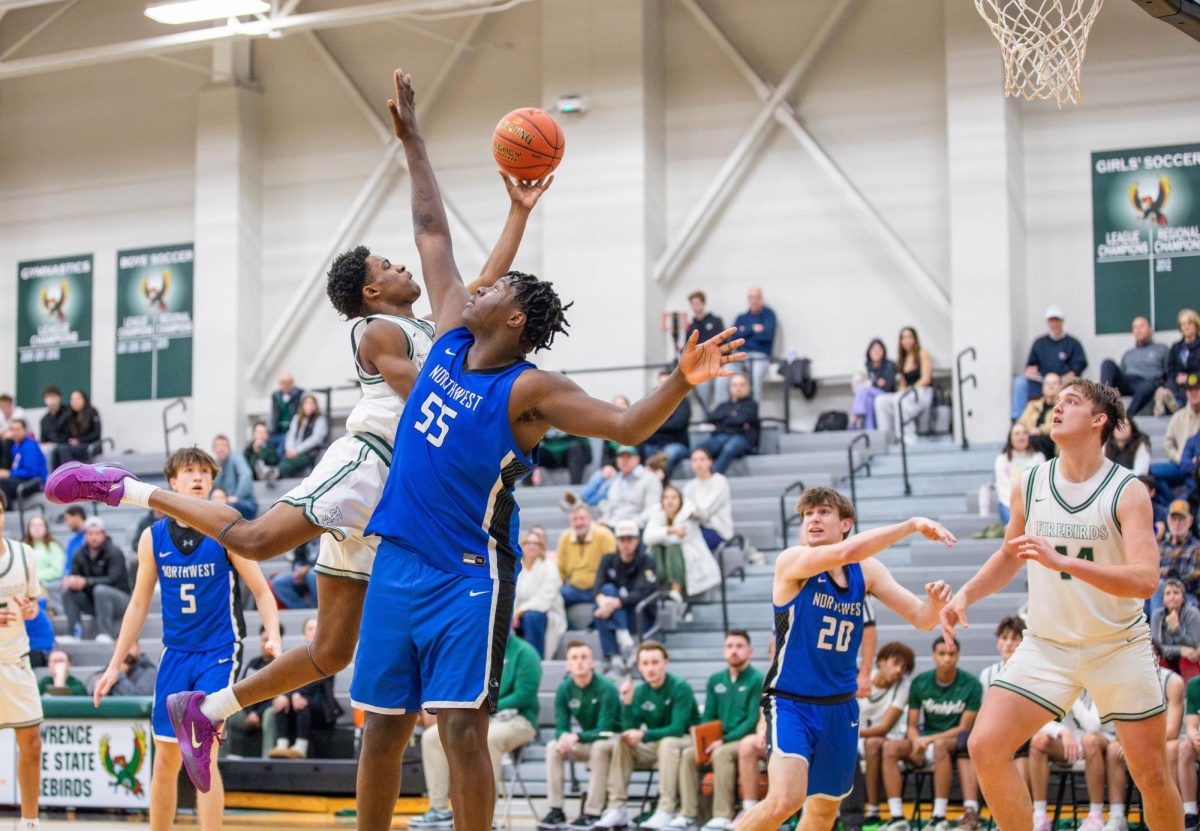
[201, 604]
[449, 493]
[817, 638]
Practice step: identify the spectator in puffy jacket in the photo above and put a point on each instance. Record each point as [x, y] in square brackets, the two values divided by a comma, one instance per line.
[737, 426]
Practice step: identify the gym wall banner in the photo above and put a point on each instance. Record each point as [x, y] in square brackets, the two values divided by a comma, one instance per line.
[54, 327]
[1146, 228]
[154, 323]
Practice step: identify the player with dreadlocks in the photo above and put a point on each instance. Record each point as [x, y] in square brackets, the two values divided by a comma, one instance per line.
[440, 602]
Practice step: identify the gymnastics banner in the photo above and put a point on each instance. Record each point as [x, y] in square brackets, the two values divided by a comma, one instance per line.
[54, 327]
[154, 323]
[1146, 229]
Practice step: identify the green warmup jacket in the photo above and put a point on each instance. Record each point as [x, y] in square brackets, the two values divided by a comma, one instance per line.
[595, 708]
[734, 703]
[520, 679]
[668, 711]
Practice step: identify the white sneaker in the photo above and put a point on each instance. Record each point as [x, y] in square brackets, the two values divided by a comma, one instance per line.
[103, 638]
[1092, 823]
[625, 643]
[674, 594]
[1116, 824]
[613, 818]
[682, 823]
[718, 824]
[656, 821]
[1041, 822]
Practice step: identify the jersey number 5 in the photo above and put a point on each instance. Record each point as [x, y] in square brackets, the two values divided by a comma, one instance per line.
[1085, 553]
[187, 598]
[826, 639]
[438, 435]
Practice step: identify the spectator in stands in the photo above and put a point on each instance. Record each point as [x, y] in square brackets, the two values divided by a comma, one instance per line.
[154, 515]
[285, 405]
[40, 630]
[580, 550]
[1175, 627]
[587, 709]
[52, 429]
[596, 489]
[60, 681]
[737, 426]
[1189, 461]
[1038, 415]
[138, 674]
[731, 698]
[632, 493]
[98, 584]
[559, 450]
[1066, 742]
[757, 326]
[1143, 367]
[880, 716]
[942, 705]
[1130, 447]
[1179, 555]
[252, 729]
[655, 719]
[623, 580]
[914, 371]
[714, 391]
[306, 436]
[1009, 634]
[683, 559]
[260, 454]
[878, 376]
[1183, 360]
[8, 412]
[1189, 751]
[83, 431]
[1171, 473]
[1055, 352]
[514, 725]
[538, 612]
[28, 472]
[51, 559]
[312, 707]
[297, 588]
[672, 437]
[1016, 457]
[74, 517]
[235, 478]
[710, 497]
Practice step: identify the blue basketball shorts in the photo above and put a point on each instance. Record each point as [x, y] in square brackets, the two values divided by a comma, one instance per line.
[824, 735]
[429, 639]
[178, 671]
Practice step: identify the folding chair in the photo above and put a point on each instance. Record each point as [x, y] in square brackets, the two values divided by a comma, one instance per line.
[512, 760]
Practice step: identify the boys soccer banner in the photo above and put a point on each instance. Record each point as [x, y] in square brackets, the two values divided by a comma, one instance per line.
[154, 323]
[54, 327]
[1146, 225]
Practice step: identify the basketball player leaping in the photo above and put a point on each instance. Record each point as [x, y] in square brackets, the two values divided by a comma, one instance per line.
[1085, 526]
[388, 345]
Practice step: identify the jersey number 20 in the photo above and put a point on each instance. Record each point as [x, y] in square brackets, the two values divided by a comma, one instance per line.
[438, 434]
[843, 628]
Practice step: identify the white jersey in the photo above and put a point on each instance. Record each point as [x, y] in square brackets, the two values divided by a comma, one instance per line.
[18, 578]
[1080, 520]
[378, 411]
[873, 709]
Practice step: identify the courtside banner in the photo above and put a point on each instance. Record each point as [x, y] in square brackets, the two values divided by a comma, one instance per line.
[154, 323]
[1146, 230]
[54, 327]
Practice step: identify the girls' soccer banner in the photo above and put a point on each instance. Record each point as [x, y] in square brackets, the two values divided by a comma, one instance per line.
[1146, 224]
[154, 323]
[54, 327]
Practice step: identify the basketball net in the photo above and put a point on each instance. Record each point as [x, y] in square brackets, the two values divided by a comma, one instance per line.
[1043, 43]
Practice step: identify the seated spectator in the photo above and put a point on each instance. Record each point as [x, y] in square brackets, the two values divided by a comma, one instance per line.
[1009, 634]
[297, 588]
[1055, 352]
[8, 412]
[580, 550]
[50, 557]
[1179, 555]
[538, 613]
[138, 674]
[312, 707]
[1076, 737]
[1160, 511]
[710, 497]
[1171, 473]
[623, 580]
[60, 681]
[731, 697]
[40, 630]
[737, 426]
[28, 472]
[285, 405]
[1143, 368]
[74, 517]
[1017, 457]
[98, 584]
[306, 436]
[260, 455]
[757, 326]
[1175, 628]
[586, 713]
[596, 489]
[914, 371]
[1038, 416]
[942, 705]
[558, 450]
[514, 725]
[1182, 360]
[716, 390]
[684, 561]
[655, 719]
[1189, 462]
[880, 716]
[235, 478]
[52, 429]
[879, 376]
[1129, 447]
[1189, 752]
[83, 431]
[252, 729]
[632, 493]
[672, 437]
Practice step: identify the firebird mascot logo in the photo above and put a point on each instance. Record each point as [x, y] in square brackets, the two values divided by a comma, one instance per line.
[124, 772]
[53, 302]
[155, 291]
[1147, 208]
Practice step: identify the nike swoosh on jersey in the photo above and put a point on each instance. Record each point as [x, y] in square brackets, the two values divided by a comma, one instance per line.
[164, 554]
[451, 354]
[476, 594]
[224, 660]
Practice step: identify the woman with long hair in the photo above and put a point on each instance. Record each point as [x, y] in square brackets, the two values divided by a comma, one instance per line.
[538, 612]
[1183, 360]
[914, 369]
[306, 436]
[83, 430]
[1129, 447]
[683, 559]
[1018, 456]
[879, 377]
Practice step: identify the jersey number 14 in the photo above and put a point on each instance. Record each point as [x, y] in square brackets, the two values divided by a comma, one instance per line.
[835, 634]
[1084, 554]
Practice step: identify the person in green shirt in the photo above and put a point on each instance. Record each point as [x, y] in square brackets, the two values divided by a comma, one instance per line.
[60, 681]
[513, 725]
[586, 712]
[942, 705]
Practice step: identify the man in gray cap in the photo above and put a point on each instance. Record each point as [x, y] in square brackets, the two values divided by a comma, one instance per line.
[98, 584]
[1056, 352]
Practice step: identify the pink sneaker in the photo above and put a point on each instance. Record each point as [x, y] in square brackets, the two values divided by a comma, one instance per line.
[79, 482]
[195, 734]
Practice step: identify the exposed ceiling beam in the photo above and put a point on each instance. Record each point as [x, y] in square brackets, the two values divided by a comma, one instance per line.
[36, 30]
[10, 5]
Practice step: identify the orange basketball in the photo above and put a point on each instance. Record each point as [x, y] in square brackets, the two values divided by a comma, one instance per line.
[528, 143]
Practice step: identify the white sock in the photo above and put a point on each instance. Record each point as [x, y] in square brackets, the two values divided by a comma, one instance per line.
[1039, 806]
[1189, 807]
[1096, 809]
[973, 804]
[281, 744]
[1116, 810]
[872, 810]
[939, 807]
[28, 823]
[301, 745]
[137, 493]
[896, 807]
[747, 804]
[220, 705]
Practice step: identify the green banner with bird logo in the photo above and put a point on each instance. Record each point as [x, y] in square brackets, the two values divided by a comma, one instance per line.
[54, 327]
[154, 323]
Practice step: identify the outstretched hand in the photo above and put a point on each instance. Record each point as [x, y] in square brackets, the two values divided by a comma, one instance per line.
[954, 614]
[1039, 550]
[702, 362]
[525, 192]
[935, 531]
[403, 107]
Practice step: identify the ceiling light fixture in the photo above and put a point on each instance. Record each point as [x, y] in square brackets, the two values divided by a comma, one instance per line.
[196, 11]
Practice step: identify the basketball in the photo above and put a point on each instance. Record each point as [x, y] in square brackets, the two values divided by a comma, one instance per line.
[528, 143]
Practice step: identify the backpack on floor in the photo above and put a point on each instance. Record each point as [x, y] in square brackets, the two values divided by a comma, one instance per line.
[831, 420]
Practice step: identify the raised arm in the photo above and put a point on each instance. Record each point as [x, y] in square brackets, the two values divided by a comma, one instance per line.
[801, 562]
[921, 614]
[523, 195]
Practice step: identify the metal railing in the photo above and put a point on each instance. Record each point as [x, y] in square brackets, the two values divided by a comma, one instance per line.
[639, 616]
[910, 392]
[789, 518]
[739, 542]
[854, 468]
[168, 429]
[959, 384]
